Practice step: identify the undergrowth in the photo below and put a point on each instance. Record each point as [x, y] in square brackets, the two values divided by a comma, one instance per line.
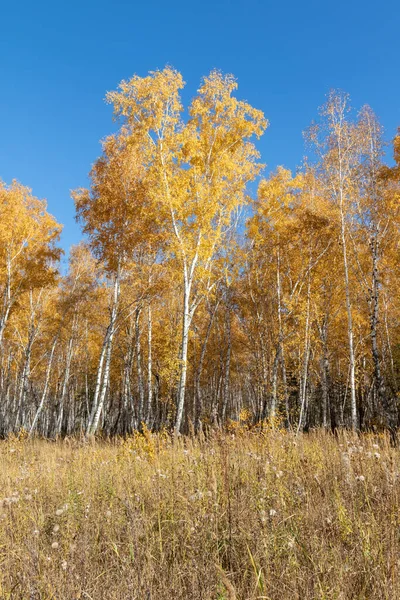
[239, 515]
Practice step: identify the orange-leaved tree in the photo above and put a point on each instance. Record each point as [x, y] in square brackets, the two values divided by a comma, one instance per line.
[117, 216]
[28, 250]
[198, 172]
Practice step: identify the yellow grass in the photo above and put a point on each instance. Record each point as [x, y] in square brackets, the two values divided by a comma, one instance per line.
[243, 516]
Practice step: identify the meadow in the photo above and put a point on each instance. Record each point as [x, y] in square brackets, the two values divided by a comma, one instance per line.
[241, 514]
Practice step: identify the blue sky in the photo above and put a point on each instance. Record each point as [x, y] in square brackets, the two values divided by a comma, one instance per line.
[58, 59]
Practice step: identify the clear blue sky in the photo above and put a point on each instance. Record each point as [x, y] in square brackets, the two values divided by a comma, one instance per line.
[57, 60]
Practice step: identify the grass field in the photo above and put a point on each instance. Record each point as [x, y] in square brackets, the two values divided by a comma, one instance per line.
[247, 515]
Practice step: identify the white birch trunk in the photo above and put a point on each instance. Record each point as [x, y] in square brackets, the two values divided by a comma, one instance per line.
[183, 358]
[45, 388]
[149, 365]
[138, 348]
[104, 362]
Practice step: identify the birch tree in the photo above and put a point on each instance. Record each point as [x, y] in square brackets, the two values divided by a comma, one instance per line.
[199, 171]
[28, 246]
[116, 215]
[337, 143]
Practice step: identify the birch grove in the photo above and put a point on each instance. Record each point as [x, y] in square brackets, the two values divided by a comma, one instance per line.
[195, 299]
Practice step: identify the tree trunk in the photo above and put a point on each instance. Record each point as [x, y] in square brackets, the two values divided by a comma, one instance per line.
[389, 409]
[149, 365]
[274, 395]
[45, 388]
[306, 356]
[227, 366]
[350, 334]
[186, 320]
[139, 368]
[198, 392]
[64, 388]
[104, 361]
[6, 302]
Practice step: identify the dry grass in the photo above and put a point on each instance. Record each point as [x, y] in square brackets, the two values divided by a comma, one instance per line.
[248, 516]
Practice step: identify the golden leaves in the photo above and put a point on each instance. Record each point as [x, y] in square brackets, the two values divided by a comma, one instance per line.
[28, 237]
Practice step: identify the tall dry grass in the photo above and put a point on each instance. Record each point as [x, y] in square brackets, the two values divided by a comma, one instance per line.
[244, 516]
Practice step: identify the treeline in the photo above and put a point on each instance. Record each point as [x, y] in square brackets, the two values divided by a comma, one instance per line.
[172, 313]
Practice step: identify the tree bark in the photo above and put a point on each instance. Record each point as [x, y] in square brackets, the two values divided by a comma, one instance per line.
[104, 362]
[45, 388]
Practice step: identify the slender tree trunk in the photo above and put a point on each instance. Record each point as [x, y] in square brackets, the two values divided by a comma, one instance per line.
[186, 320]
[64, 387]
[274, 395]
[215, 399]
[389, 408]
[127, 404]
[98, 382]
[264, 396]
[149, 364]
[104, 363]
[21, 414]
[3, 322]
[389, 347]
[227, 365]
[45, 388]
[285, 386]
[104, 385]
[374, 302]
[274, 399]
[306, 356]
[199, 370]
[350, 334]
[324, 374]
[6, 303]
[139, 368]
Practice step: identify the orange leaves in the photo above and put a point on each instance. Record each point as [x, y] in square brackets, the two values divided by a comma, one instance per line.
[194, 173]
[117, 212]
[150, 104]
[28, 237]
